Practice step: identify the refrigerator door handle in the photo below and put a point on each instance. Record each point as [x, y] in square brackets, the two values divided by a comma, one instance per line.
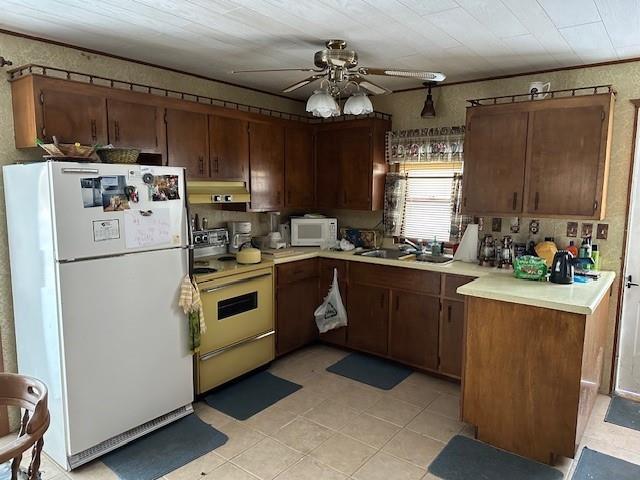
[80, 170]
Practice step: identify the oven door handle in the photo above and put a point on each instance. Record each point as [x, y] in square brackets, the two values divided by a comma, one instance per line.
[237, 282]
[220, 351]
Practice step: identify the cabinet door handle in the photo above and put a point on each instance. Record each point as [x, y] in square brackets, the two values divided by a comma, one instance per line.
[449, 314]
[94, 130]
[216, 161]
[201, 164]
[278, 197]
[515, 200]
[117, 128]
[536, 201]
[289, 197]
[382, 300]
[397, 302]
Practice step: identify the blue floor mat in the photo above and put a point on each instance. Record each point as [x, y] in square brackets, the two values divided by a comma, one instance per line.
[371, 370]
[594, 465]
[164, 450]
[465, 458]
[624, 413]
[250, 395]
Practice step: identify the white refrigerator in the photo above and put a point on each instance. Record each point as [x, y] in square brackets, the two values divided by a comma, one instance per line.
[98, 253]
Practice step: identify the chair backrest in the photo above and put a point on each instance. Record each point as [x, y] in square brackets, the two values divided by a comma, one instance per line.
[27, 393]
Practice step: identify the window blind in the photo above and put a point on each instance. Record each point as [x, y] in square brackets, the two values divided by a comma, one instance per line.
[428, 206]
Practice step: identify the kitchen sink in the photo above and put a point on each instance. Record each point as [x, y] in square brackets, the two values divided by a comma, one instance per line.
[425, 257]
[390, 253]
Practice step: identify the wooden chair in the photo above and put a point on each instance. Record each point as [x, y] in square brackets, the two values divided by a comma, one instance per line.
[30, 395]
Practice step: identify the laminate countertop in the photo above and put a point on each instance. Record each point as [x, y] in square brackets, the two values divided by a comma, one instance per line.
[490, 283]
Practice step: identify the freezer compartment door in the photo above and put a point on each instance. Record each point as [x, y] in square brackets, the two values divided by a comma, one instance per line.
[125, 343]
[104, 209]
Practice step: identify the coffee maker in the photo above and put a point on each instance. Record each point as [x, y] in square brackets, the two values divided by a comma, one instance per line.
[239, 234]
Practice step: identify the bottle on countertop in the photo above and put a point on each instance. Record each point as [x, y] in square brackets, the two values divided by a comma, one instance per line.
[585, 248]
[205, 223]
[573, 249]
[595, 256]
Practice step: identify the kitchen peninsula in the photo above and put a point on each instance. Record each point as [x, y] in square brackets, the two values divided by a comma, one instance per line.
[513, 334]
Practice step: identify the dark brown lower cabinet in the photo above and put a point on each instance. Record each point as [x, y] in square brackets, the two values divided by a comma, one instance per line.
[296, 300]
[368, 313]
[413, 330]
[337, 336]
[451, 338]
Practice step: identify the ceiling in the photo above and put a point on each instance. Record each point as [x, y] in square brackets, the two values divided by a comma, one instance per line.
[465, 39]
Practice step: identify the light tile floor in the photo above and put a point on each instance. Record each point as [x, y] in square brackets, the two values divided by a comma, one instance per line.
[335, 428]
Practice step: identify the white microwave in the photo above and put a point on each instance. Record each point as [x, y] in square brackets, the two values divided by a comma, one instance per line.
[314, 232]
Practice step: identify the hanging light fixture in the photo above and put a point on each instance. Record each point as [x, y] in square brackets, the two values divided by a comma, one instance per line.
[323, 104]
[429, 109]
[358, 104]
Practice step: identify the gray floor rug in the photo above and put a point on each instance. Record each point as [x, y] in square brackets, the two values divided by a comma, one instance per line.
[371, 370]
[465, 458]
[623, 412]
[250, 395]
[594, 465]
[163, 451]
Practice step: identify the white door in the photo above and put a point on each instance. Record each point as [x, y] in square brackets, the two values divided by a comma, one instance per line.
[628, 367]
[125, 343]
[97, 215]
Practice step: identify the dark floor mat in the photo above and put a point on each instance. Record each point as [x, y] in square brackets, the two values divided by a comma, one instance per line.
[594, 465]
[465, 458]
[373, 371]
[163, 451]
[623, 412]
[250, 395]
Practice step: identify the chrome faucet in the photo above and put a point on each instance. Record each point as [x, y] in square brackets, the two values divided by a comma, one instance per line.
[420, 246]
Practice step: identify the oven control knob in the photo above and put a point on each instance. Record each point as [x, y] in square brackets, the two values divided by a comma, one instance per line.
[197, 239]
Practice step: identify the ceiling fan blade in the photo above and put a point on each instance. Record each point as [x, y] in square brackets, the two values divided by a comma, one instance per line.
[367, 84]
[301, 83]
[279, 70]
[391, 72]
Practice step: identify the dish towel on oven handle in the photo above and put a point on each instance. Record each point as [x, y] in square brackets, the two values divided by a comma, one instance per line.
[331, 314]
[192, 306]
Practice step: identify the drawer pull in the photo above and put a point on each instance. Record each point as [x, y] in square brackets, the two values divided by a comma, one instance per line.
[220, 351]
[237, 282]
[449, 314]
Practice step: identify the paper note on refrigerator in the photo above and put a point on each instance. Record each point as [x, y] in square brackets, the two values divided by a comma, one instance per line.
[147, 228]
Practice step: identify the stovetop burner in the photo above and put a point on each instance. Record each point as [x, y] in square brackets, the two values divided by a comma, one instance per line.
[202, 270]
[226, 258]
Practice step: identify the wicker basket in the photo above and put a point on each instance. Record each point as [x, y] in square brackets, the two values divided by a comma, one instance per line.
[118, 155]
[65, 150]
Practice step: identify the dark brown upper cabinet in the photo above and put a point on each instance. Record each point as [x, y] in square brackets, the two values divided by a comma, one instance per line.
[266, 160]
[187, 142]
[135, 125]
[567, 160]
[229, 148]
[72, 117]
[350, 164]
[494, 162]
[299, 167]
[546, 158]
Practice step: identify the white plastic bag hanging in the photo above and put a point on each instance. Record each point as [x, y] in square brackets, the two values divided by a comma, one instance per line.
[331, 314]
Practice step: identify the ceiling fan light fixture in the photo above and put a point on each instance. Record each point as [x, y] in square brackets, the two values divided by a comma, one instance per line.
[321, 104]
[429, 109]
[358, 104]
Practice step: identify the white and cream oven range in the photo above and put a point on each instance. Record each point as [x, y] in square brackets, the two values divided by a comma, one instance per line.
[239, 315]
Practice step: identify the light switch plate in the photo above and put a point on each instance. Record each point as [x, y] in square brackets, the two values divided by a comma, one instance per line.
[603, 231]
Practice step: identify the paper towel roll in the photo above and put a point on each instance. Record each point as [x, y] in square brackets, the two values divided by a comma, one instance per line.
[468, 248]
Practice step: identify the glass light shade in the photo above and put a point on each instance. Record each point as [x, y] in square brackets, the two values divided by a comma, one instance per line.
[358, 104]
[429, 109]
[321, 104]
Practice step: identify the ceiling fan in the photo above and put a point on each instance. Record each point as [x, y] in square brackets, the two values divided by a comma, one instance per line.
[337, 69]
